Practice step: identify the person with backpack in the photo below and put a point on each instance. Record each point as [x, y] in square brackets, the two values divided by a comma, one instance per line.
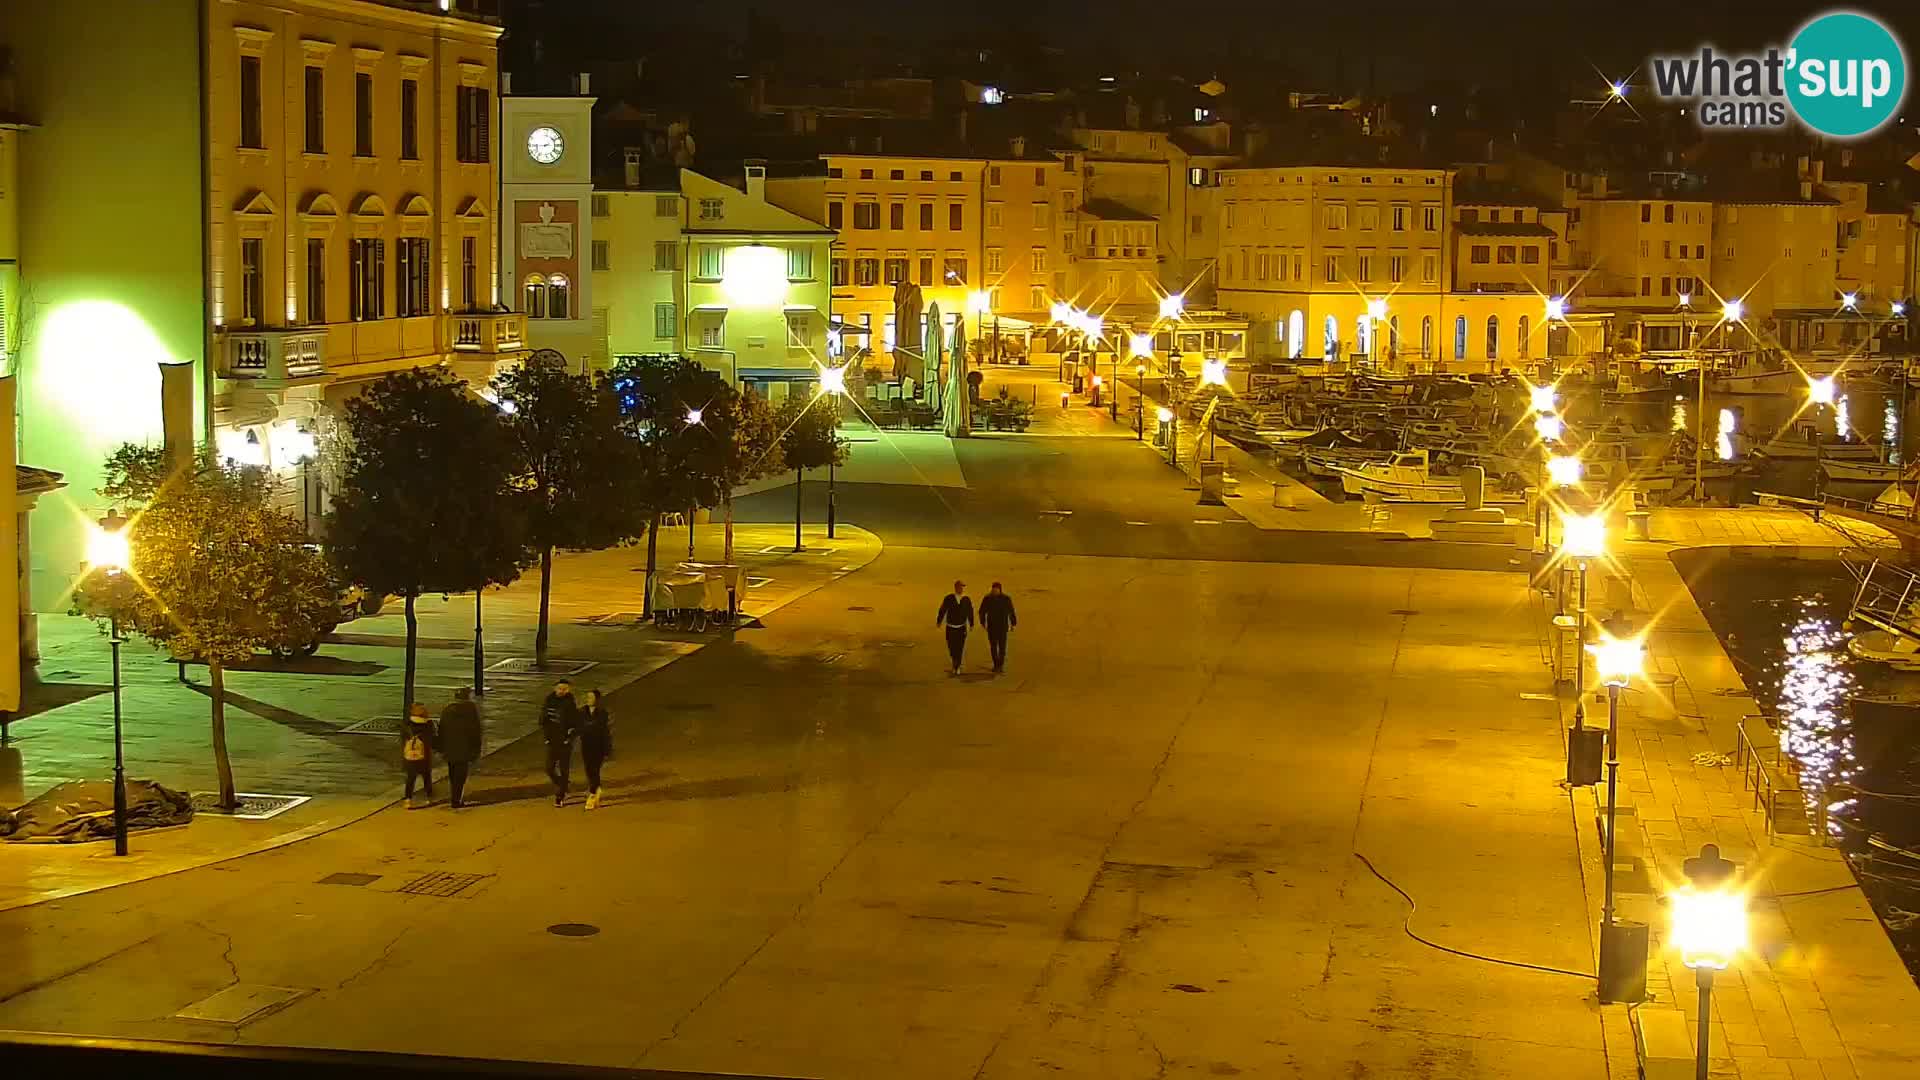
[459, 741]
[416, 752]
[596, 742]
[559, 722]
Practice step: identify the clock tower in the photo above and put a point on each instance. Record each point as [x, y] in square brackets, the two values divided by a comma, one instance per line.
[546, 219]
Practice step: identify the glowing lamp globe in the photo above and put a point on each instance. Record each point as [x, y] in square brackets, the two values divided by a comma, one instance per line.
[1584, 536]
[1140, 345]
[833, 380]
[1617, 660]
[1556, 307]
[1732, 310]
[108, 549]
[1564, 470]
[1061, 312]
[1213, 372]
[693, 416]
[755, 277]
[1376, 309]
[1541, 398]
[1709, 926]
[1820, 391]
[1165, 415]
[979, 302]
[1173, 305]
[1549, 427]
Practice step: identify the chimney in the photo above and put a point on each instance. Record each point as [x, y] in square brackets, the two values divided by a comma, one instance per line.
[633, 157]
[1801, 164]
[1820, 172]
[756, 169]
[583, 84]
[506, 84]
[1806, 189]
[1018, 145]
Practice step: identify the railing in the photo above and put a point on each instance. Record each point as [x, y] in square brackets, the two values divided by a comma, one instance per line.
[274, 353]
[489, 332]
[38, 1054]
[1773, 781]
[1886, 598]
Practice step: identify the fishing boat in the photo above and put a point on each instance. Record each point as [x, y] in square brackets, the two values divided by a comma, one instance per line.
[1407, 476]
[1765, 381]
[1873, 471]
[1897, 651]
[1785, 449]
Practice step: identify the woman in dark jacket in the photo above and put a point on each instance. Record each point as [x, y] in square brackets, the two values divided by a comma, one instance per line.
[596, 742]
[460, 739]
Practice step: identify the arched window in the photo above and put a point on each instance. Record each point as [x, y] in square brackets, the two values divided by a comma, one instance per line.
[1523, 337]
[1363, 335]
[536, 297]
[558, 294]
[1493, 337]
[1297, 332]
[1330, 346]
[1393, 338]
[1460, 337]
[1426, 336]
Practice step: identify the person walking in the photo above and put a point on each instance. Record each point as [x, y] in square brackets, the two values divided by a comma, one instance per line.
[559, 721]
[596, 742]
[996, 615]
[459, 741]
[416, 752]
[956, 614]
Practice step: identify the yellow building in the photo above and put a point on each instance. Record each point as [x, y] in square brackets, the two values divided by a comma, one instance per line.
[1643, 254]
[720, 274]
[1872, 233]
[1776, 253]
[314, 206]
[1172, 177]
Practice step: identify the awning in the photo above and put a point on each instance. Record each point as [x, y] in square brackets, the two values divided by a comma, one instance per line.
[778, 374]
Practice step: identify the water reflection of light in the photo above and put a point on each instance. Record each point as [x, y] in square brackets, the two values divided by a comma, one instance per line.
[1728, 425]
[1841, 421]
[1890, 431]
[1815, 729]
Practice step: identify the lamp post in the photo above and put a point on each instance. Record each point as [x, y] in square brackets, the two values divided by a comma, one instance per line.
[1710, 928]
[1583, 538]
[1616, 661]
[1172, 423]
[693, 421]
[108, 549]
[1376, 317]
[1563, 471]
[1820, 392]
[1140, 401]
[833, 384]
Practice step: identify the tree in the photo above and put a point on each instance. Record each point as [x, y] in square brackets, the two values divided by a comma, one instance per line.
[426, 501]
[751, 451]
[214, 571]
[680, 416]
[809, 439]
[579, 471]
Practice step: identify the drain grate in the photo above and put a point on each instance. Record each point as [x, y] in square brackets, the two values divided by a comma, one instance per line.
[253, 805]
[379, 725]
[897, 644]
[347, 878]
[241, 1003]
[527, 665]
[443, 884]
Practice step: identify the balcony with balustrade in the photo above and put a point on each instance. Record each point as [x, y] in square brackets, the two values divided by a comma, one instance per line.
[272, 355]
[489, 333]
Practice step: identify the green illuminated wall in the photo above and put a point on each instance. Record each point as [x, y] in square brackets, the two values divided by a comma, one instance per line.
[110, 276]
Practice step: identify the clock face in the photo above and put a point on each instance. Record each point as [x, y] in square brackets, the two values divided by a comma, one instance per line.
[544, 145]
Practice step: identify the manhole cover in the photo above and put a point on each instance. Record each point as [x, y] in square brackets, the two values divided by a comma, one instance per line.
[859, 607]
[344, 878]
[896, 644]
[388, 726]
[253, 805]
[527, 665]
[441, 883]
[573, 929]
[1403, 611]
[240, 1003]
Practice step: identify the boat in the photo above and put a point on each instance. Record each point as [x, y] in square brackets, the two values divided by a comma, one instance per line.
[1327, 463]
[1780, 449]
[1776, 381]
[1897, 651]
[1872, 471]
[1408, 477]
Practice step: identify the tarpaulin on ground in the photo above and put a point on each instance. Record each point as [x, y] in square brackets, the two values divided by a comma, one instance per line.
[82, 810]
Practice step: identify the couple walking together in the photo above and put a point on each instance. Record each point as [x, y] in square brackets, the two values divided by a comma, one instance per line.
[996, 616]
[563, 720]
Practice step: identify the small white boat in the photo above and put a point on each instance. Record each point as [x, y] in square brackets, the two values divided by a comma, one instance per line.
[1897, 651]
[1872, 471]
[1408, 477]
[1782, 449]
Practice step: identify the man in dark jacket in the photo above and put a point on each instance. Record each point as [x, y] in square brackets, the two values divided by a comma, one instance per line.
[956, 614]
[460, 741]
[559, 720]
[996, 614]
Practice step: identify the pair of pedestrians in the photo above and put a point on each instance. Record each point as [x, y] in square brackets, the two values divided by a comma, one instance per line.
[563, 720]
[996, 616]
[456, 739]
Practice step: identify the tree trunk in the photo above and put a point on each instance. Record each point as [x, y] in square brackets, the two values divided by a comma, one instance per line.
[546, 594]
[413, 637]
[726, 502]
[799, 485]
[222, 764]
[653, 544]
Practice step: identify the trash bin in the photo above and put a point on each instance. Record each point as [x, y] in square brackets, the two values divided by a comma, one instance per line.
[1640, 524]
[1213, 483]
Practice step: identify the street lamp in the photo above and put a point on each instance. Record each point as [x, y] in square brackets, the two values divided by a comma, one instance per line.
[1556, 308]
[1549, 427]
[1617, 661]
[1376, 318]
[1541, 399]
[1732, 310]
[1710, 929]
[833, 385]
[1140, 401]
[109, 549]
[1564, 470]
[1173, 305]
